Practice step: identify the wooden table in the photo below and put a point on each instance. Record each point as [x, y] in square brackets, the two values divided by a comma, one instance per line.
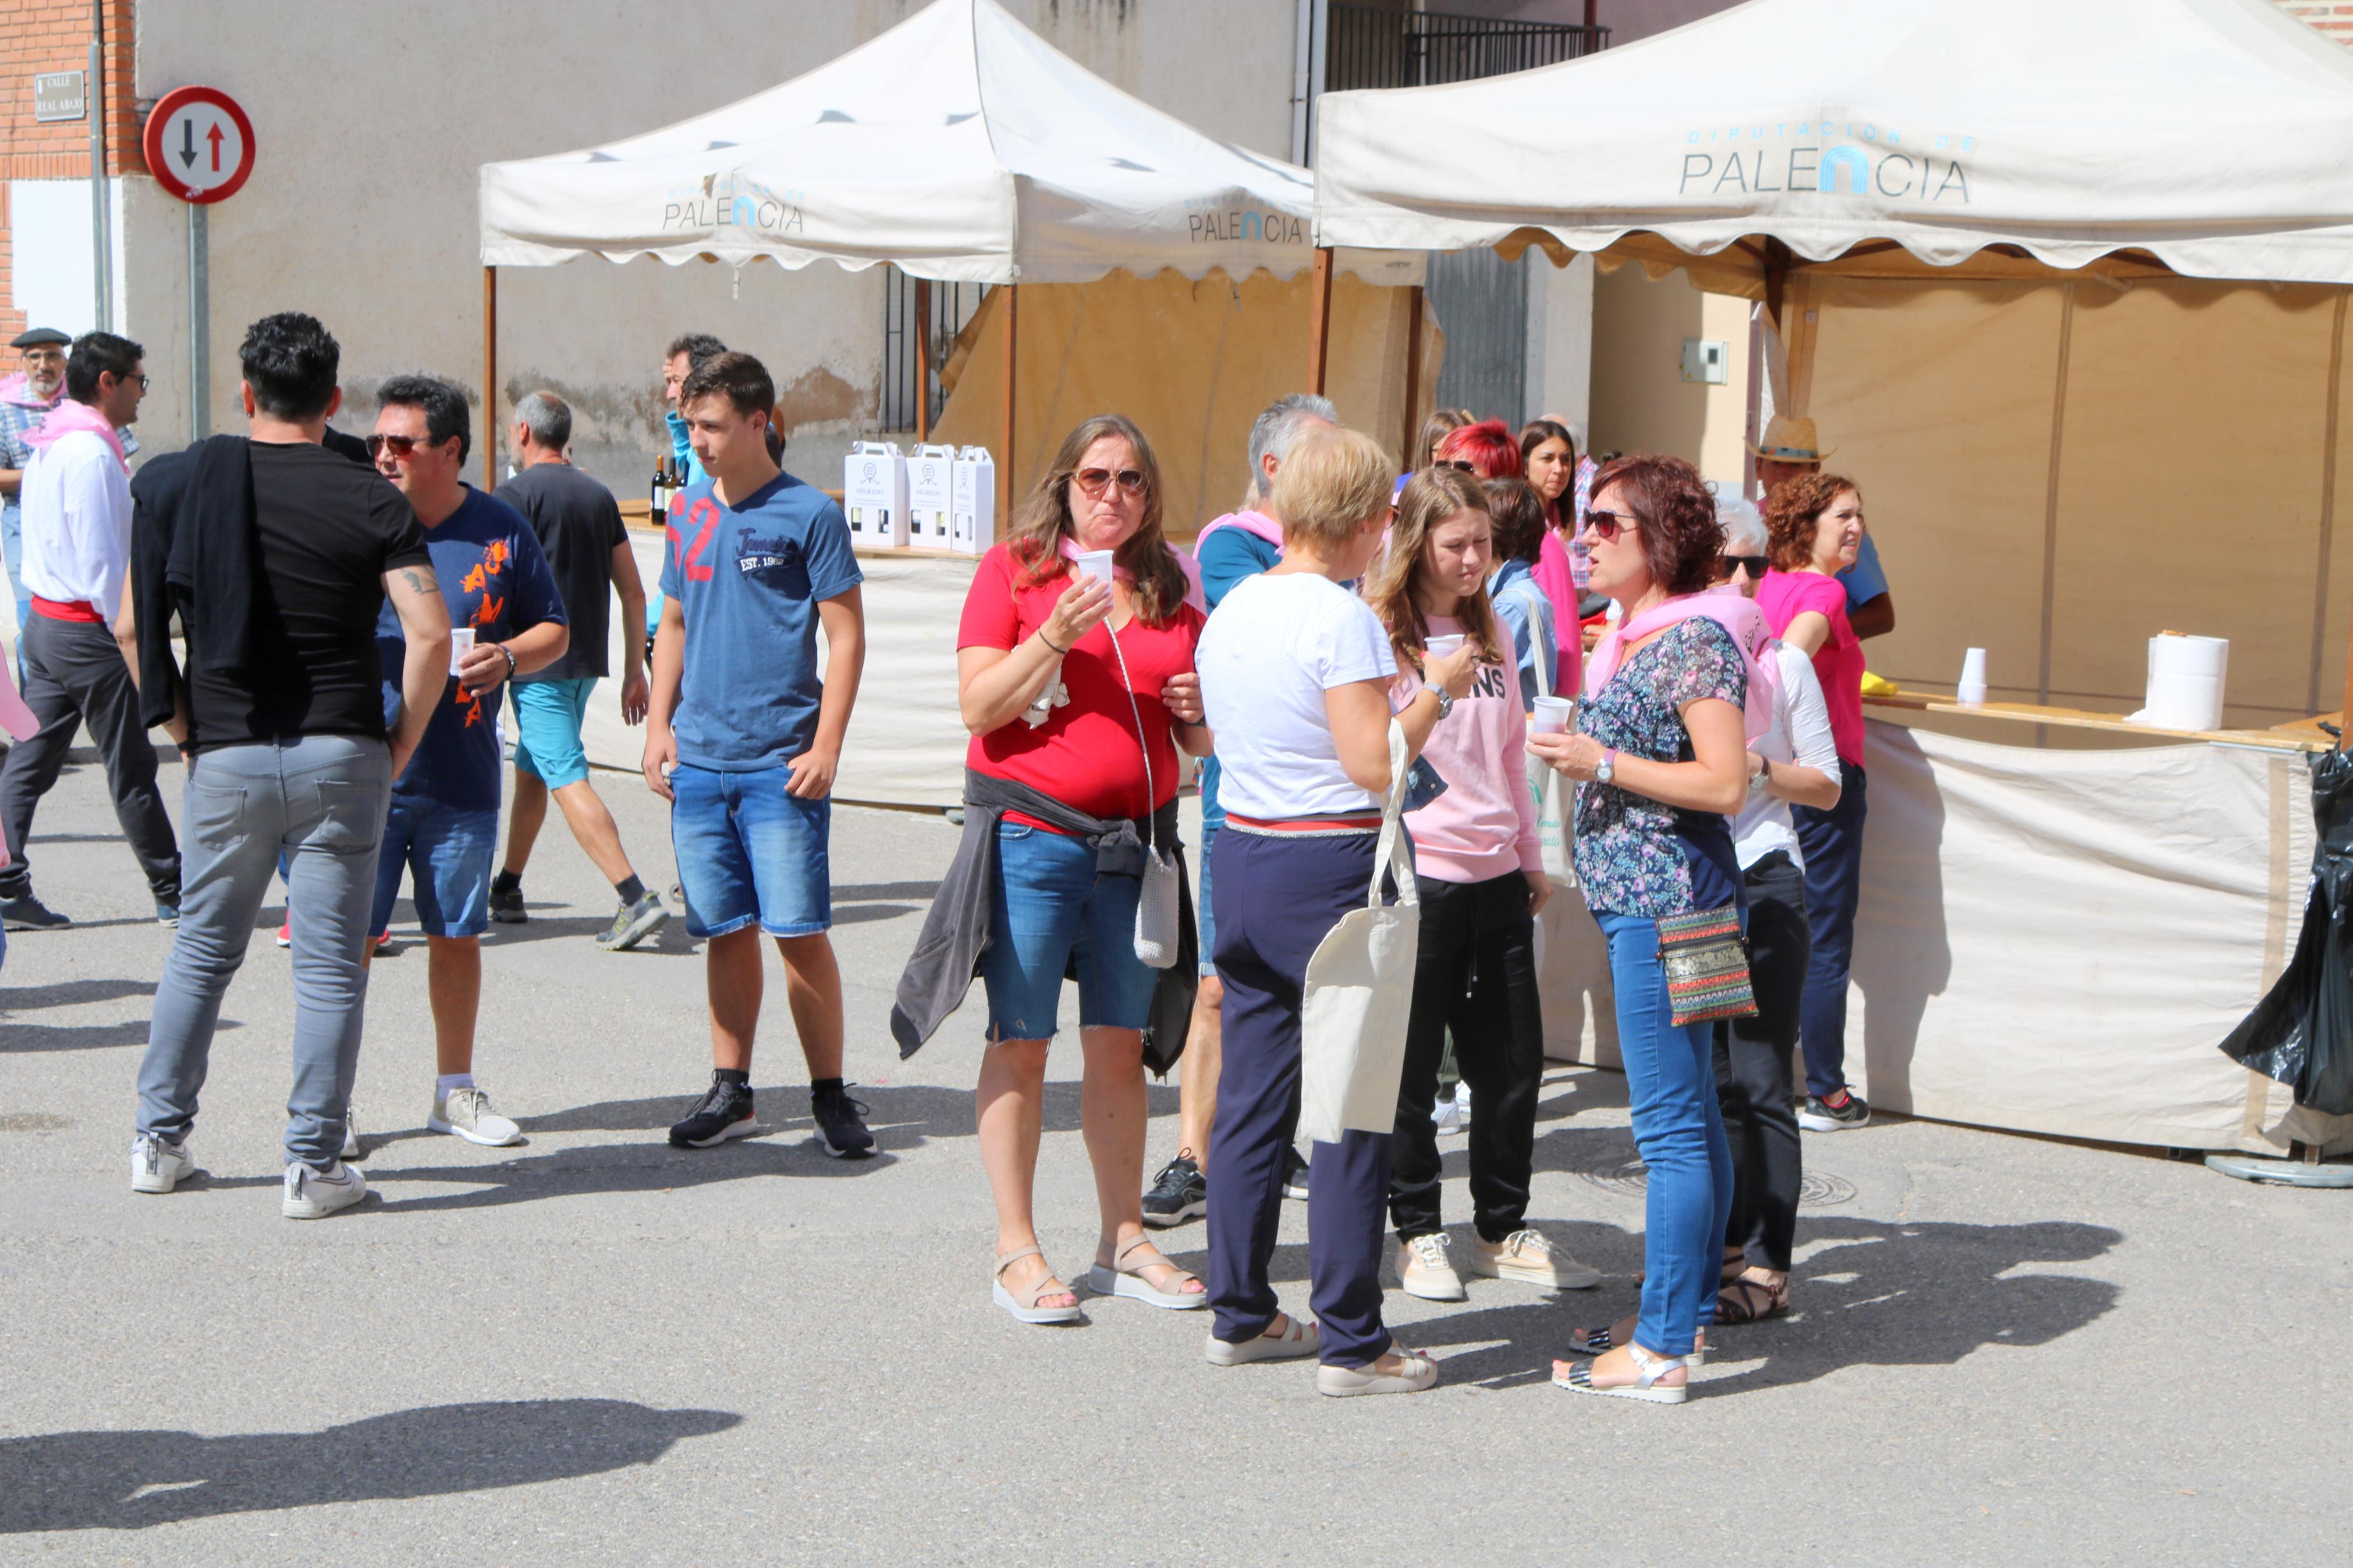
[2302, 735]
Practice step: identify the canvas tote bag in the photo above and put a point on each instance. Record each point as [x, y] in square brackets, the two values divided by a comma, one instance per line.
[1359, 993]
[1555, 797]
[1157, 903]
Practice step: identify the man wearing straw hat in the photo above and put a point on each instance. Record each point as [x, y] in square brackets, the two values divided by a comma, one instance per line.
[1790, 447]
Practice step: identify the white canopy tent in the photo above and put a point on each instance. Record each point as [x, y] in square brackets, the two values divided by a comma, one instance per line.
[2067, 285]
[958, 146]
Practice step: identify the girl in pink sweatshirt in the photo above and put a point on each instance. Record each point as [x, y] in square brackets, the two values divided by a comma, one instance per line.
[1481, 883]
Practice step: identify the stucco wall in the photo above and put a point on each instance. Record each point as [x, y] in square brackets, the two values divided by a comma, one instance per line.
[372, 121]
[1641, 400]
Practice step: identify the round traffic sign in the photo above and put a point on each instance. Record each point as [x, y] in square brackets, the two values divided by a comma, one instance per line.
[199, 144]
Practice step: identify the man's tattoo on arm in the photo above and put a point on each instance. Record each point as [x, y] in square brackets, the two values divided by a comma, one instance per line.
[419, 582]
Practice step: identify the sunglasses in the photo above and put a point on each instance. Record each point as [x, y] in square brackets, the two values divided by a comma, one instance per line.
[1606, 526]
[1736, 564]
[1456, 463]
[402, 446]
[1094, 481]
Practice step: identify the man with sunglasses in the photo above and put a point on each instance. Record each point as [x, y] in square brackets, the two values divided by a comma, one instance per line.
[77, 529]
[26, 399]
[743, 738]
[443, 827]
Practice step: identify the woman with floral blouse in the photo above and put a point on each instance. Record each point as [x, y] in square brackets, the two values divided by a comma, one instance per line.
[1660, 757]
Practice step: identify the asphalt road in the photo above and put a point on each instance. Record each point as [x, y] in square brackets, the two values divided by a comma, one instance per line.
[596, 1349]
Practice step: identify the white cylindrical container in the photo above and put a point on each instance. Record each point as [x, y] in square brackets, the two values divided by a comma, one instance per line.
[1973, 677]
[2186, 678]
[1553, 715]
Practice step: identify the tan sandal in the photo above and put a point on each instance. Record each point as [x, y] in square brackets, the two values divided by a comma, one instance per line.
[1023, 1304]
[1117, 1279]
[1746, 1300]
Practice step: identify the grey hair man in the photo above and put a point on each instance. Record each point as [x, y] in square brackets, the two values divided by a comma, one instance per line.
[1238, 545]
[580, 531]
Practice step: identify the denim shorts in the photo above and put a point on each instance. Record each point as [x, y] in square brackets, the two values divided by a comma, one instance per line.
[447, 851]
[1204, 919]
[747, 851]
[1050, 915]
[547, 729]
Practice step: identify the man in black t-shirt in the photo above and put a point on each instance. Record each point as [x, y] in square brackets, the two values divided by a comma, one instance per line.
[278, 555]
[579, 529]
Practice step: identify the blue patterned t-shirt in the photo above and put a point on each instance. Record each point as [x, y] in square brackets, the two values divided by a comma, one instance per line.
[1635, 855]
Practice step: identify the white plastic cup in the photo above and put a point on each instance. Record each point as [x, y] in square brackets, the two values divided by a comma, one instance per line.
[1096, 564]
[461, 643]
[1438, 648]
[1553, 715]
[1973, 677]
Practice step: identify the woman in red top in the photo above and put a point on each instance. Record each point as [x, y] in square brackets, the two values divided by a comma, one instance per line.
[1084, 694]
[1815, 525]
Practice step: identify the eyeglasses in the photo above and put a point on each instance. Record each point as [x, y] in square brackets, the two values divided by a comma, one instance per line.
[1094, 481]
[1736, 564]
[120, 380]
[1606, 526]
[402, 446]
[1467, 467]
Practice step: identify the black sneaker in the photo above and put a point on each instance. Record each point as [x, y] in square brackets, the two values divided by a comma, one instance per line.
[1178, 1193]
[1294, 1177]
[633, 924]
[840, 1124]
[506, 904]
[1819, 1115]
[26, 913]
[724, 1112]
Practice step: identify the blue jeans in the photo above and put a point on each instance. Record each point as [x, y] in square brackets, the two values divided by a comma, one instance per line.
[1052, 913]
[1832, 841]
[547, 728]
[321, 801]
[12, 549]
[1671, 1081]
[446, 850]
[749, 851]
[1204, 918]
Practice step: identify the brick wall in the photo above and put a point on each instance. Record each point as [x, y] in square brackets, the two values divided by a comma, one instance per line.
[42, 35]
[2330, 19]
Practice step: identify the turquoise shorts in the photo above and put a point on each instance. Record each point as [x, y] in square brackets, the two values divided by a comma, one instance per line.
[547, 728]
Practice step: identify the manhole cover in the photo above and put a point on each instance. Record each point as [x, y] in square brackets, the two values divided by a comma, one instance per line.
[1630, 1177]
[32, 1122]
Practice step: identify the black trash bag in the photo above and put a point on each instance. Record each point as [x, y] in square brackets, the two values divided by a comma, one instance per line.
[2301, 1033]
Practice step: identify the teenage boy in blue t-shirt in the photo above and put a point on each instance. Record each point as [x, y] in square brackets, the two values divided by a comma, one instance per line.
[743, 739]
[443, 827]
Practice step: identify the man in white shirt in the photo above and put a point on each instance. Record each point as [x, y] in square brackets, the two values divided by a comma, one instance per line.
[77, 539]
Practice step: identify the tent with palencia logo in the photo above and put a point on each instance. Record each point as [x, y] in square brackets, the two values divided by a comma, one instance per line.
[2064, 284]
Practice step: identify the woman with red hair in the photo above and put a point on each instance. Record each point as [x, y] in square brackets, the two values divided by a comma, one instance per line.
[1488, 450]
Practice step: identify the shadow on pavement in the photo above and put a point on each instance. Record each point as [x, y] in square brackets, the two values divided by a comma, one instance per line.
[1881, 1295]
[904, 1116]
[71, 994]
[130, 1480]
[25, 1039]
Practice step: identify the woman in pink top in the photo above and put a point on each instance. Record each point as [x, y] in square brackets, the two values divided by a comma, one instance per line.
[1548, 456]
[1482, 883]
[1815, 525]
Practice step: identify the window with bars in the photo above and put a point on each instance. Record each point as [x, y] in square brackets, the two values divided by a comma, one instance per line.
[1373, 45]
[910, 308]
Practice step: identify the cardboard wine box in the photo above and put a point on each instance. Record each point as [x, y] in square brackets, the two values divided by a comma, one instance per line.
[930, 495]
[973, 500]
[874, 495]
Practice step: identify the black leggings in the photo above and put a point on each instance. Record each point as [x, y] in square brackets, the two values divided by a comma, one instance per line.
[1752, 1084]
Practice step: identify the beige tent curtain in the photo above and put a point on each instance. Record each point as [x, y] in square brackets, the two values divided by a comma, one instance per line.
[1192, 364]
[2056, 471]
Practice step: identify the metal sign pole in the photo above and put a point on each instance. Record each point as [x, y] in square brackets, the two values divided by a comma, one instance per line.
[200, 321]
[101, 246]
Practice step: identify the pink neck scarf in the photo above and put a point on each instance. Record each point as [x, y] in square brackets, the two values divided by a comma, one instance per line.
[69, 416]
[1185, 563]
[1255, 523]
[1727, 609]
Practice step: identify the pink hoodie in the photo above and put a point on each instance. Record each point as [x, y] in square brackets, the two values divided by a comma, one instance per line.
[1484, 826]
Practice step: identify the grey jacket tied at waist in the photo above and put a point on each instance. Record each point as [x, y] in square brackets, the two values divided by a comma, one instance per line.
[960, 926]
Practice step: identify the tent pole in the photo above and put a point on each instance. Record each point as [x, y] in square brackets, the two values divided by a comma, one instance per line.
[1004, 468]
[490, 377]
[1412, 374]
[1777, 282]
[922, 359]
[1319, 318]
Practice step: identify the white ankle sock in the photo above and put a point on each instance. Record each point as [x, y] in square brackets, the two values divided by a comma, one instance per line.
[450, 1080]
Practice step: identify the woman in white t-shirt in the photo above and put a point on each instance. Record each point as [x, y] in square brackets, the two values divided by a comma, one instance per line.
[1294, 680]
[1795, 762]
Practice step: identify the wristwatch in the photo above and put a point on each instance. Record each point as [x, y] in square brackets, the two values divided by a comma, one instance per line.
[1763, 775]
[1445, 700]
[1606, 770]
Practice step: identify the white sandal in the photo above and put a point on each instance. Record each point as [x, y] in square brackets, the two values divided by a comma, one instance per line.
[1297, 1339]
[1024, 1307]
[1648, 1369]
[1116, 1279]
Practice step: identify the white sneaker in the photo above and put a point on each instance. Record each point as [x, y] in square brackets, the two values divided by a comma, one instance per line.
[157, 1166]
[1453, 1115]
[467, 1113]
[1423, 1270]
[1526, 1255]
[316, 1195]
[351, 1135]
